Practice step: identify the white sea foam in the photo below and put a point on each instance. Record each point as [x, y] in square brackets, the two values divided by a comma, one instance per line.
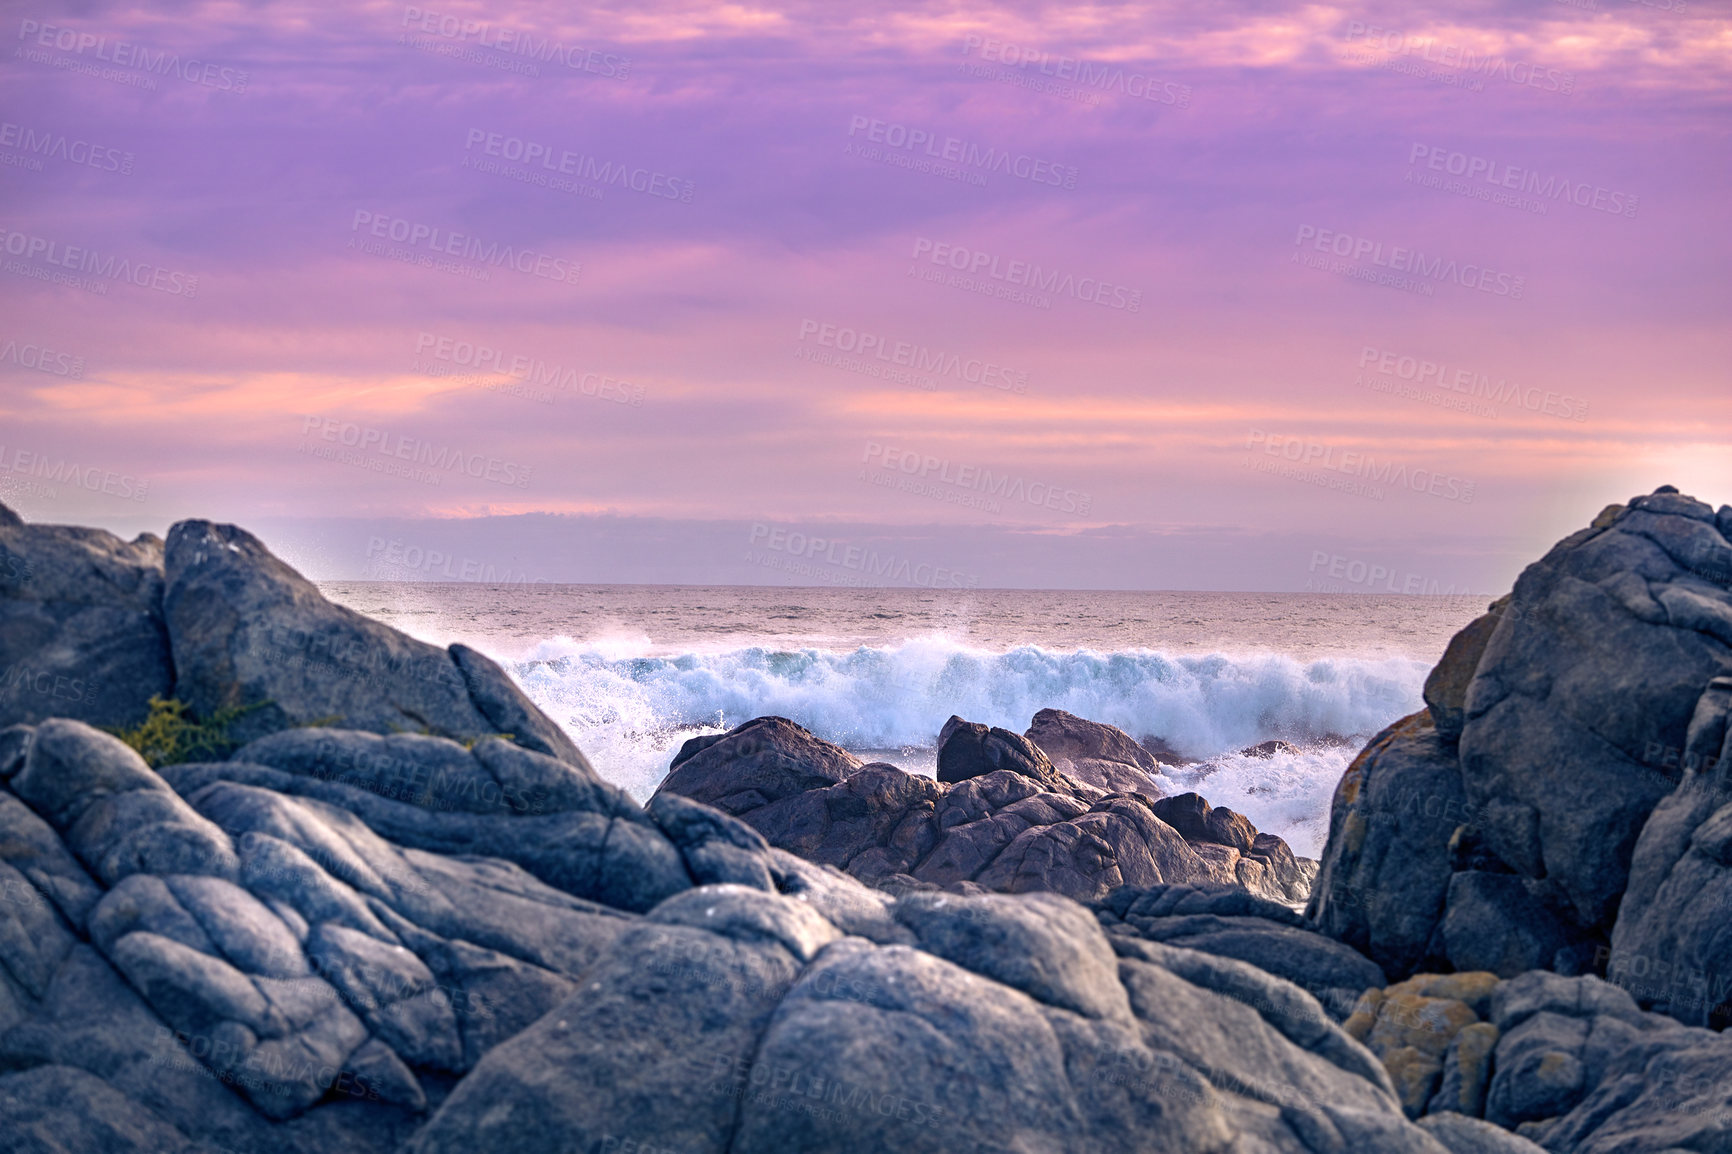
[630, 713]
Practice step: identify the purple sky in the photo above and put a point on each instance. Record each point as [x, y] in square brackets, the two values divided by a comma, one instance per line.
[1323, 215]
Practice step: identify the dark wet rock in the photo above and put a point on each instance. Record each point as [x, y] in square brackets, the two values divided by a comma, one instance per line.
[764, 760]
[968, 749]
[995, 827]
[1102, 756]
[81, 626]
[1267, 749]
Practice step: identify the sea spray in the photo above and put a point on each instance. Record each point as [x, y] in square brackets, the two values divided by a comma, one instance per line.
[630, 713]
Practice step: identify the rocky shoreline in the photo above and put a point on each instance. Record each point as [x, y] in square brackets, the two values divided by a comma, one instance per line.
[365, 896]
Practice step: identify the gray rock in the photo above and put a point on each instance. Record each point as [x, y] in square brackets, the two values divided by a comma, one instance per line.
[1048, 948]
[1539, 1070]
[717, 849]
[1584, 1071]
[392, 990]
[626, 1056]
[1500, 922]
[1103, 756]
[63, 1109]
[762, 761]
[508, 709]
[1386, 868]
[117, 816]
[618, 856]
[1672, 944]
[1602, 654]
[33, 940]
[494, 777]
[248, 631]
[1331, 972]
[30, 847]
[1463, 1135]
[1446, 684]
[81, 626]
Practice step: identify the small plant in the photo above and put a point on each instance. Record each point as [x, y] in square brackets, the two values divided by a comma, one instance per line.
[170, 735]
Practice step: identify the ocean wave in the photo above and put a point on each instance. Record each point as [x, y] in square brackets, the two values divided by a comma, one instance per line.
[629, 713]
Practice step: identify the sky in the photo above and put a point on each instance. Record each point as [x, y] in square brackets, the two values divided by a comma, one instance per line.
[1256, 296]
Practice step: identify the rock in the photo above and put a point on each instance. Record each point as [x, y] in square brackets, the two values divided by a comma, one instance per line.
[1582, 1070]
[1259, 932]
[1047, 947]
[1102, 756]
[764, 760]
[1539, 1070]
[508, 709]
[1600, 655]
[998, 829]
[1466, 1071]
[1385, 870]
[617, 856]
[1462, 1135]
[718, 849]
[118, 817]
[62, 1108]
[1446, 684]
[967, 749]
[492, 776]
[1428, 1034]
[81, 626]
[1672, 946]
[1265, 750]
[1500, 922]
[1027, 1034]
[248, 631]
[1498, 830]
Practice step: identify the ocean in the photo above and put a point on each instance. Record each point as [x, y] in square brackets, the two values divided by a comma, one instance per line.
[632, 671]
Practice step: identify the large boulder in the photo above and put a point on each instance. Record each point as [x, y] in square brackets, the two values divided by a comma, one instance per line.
[1103, 756]
[249, 632]
[1005, 821]
[1497, 829]
[81, 627]
[1601, 657]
